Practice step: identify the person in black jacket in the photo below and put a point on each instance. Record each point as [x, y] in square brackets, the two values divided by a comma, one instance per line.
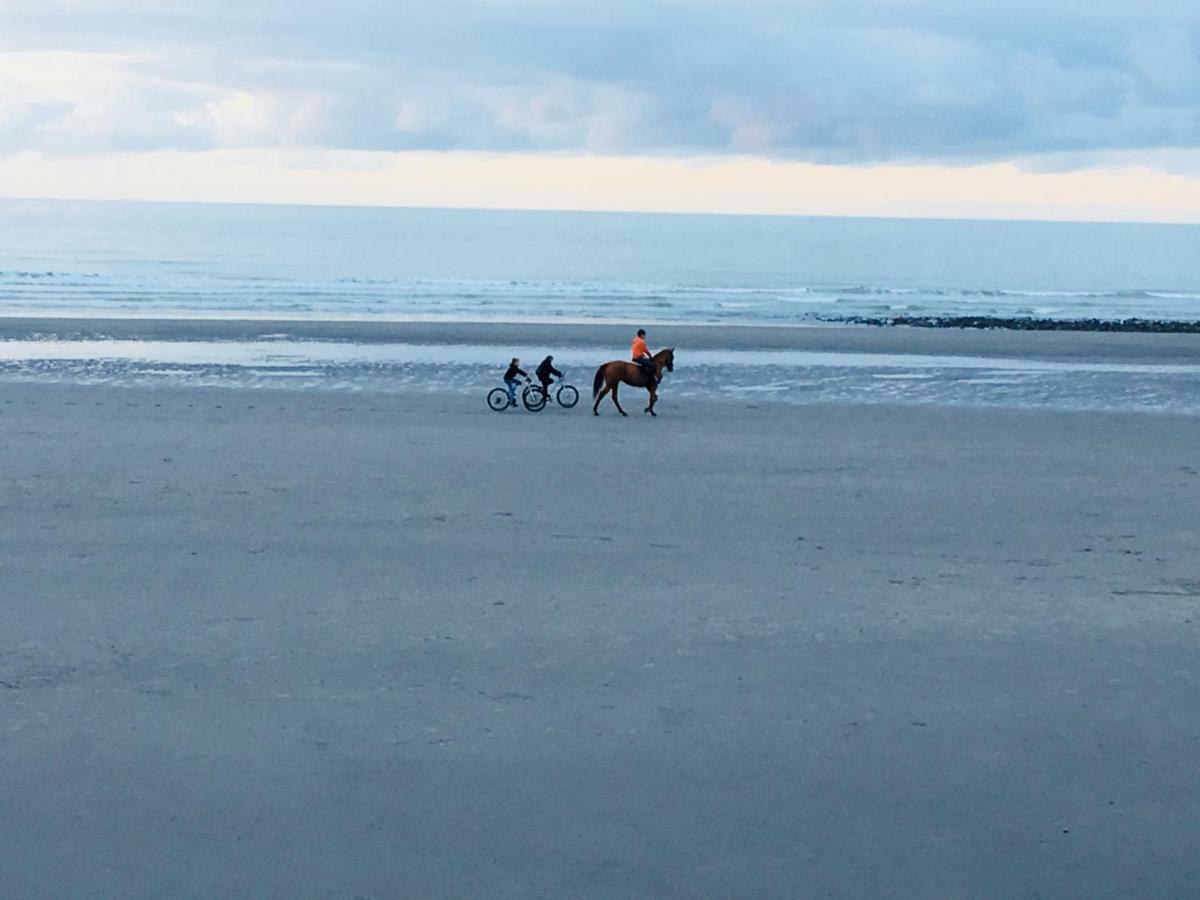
[510, 380]
[544, 371]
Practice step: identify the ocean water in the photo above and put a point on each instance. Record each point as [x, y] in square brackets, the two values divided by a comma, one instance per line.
[143, 259]
[164, 261]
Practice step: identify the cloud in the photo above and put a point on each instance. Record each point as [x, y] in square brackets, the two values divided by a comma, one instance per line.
[852, 81]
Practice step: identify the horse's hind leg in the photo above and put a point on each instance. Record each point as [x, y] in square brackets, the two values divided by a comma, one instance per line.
[616, 401]
[599, 397]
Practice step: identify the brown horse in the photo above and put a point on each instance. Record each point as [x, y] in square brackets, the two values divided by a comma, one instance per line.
[613, 374]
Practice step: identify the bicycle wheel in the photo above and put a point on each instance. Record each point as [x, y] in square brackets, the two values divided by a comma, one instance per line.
[567, 396]
[498, 399]
[534, 398]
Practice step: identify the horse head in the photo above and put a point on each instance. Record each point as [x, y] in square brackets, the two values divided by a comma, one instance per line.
[666, 357]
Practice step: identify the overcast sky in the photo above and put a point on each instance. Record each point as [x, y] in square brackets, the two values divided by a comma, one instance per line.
[1049, 87]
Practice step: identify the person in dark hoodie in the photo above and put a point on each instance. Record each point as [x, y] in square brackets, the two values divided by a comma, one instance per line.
[544, 371]
[510, 380]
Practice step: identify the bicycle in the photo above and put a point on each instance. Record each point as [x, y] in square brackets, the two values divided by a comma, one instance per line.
[498, 401]
[566, 396]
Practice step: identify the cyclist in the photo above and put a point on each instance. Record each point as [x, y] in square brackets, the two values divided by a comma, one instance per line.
[543, 372]
[510, 379]
[640, 354]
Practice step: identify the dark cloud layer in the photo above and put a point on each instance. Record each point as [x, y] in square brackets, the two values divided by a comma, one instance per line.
[848, 81]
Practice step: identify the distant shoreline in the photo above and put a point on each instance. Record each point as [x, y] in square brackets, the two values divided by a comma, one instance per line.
[74, 320]
[1148, 344]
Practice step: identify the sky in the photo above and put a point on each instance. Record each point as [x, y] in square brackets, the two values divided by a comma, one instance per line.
[1059, 109]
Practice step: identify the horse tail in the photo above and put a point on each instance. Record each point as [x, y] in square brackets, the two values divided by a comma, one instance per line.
[598, 381]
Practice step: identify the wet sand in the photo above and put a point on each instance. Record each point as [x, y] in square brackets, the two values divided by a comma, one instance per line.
[284, 643]
[519, 337]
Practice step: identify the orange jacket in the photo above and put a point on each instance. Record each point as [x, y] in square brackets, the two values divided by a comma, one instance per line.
[639, 348]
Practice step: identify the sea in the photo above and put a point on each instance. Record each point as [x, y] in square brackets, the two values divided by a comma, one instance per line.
[67, 260]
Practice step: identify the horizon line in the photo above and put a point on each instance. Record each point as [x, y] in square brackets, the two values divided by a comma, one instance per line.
[548, 210]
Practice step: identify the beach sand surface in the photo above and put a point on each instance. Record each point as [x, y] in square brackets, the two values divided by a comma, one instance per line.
[273, 643]
[1109, 347]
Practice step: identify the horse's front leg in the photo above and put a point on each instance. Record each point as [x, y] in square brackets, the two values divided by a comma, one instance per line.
[653, 400]
[616, 401]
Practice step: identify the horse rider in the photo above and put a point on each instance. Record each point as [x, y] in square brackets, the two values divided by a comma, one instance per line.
[543, 372]
[640, 354]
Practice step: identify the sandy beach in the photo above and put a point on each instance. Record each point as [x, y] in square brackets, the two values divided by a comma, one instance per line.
[1098, 345]
[277, 643]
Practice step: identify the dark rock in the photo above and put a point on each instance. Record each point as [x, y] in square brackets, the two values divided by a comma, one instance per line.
[1161, 326]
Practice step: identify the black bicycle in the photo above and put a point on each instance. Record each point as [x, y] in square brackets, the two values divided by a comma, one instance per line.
[532, 398]
[564, 394]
